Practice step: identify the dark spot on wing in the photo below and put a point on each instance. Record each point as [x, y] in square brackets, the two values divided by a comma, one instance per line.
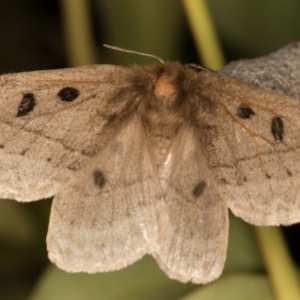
[241, 180]
[23, 152]
[99, 179]
[26, 105]
[268, 175]
[223, 181]
[277, 128]
[199, 189]
[244, 111]
[68, 94]
[74, 166]
[1, 146]
[289, 172]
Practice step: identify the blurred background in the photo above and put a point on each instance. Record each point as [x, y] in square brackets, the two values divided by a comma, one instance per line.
[34, 36]
[32, 31]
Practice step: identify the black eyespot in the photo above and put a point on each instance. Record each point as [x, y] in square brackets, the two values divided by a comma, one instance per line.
[277, 129]
[26, 105]
[199, 189]
[244, 111]
[68, 94]
[99, 179]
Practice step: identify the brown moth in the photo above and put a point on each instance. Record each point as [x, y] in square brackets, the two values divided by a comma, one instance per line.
[148, 160]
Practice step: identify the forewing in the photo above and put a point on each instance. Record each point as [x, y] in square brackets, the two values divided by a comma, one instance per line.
[255, 152]
[194, 245]
[113, 212]
[52, 123]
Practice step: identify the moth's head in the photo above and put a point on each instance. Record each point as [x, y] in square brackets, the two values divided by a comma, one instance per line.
[165, 88]
[169, 88]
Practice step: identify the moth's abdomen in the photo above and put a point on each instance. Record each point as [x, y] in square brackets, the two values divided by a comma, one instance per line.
[164, 104]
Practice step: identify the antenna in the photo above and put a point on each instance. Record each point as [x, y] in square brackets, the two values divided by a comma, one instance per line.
[133, 52]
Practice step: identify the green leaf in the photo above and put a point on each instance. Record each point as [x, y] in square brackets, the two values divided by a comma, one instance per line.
[235, 287]
[140, 281]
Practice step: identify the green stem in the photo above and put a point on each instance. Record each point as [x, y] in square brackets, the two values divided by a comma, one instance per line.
[204, 33]
[278, 263]
[77, 32]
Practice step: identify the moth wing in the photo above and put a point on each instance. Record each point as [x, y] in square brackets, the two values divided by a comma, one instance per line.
[111, 214]
[255, 153]
[194, 245]
[45, 138]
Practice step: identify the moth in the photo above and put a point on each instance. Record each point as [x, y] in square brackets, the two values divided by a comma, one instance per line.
[148, 160]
